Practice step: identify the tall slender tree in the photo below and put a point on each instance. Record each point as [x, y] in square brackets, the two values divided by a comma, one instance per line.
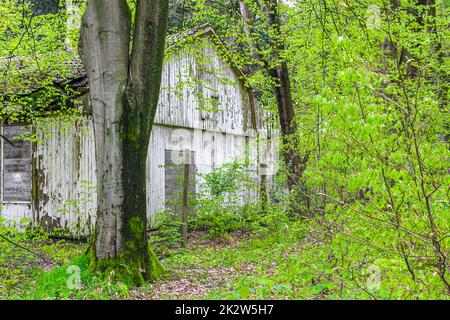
[124, 70]
[277, 69]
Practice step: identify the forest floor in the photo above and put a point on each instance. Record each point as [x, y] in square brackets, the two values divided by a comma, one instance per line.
[244, 266]
[291, 261]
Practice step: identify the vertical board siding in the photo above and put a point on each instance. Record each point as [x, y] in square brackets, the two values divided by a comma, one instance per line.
[65, 169]
[17, 178]
[66, 177]
[210, 149]
[16, 213]
[179, 103]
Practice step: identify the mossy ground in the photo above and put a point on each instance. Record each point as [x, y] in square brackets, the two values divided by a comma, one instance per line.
[131, 270]
[136, 264]
[289, 263]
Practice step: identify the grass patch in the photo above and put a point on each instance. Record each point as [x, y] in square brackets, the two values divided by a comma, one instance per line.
[300, 259]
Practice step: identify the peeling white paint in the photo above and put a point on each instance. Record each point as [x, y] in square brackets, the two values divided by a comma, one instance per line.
[65, 170]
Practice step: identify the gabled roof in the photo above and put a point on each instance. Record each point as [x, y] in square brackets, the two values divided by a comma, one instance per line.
[206, 30]
[77, 79]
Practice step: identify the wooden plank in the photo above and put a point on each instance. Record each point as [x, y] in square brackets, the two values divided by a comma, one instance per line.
[16, 165]
[185, 212]
[173, 178]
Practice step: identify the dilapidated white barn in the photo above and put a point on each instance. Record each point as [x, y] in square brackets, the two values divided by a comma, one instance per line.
[205, 114]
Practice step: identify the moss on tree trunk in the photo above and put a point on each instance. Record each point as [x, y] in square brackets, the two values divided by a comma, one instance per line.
[124, 91]
[131, 267]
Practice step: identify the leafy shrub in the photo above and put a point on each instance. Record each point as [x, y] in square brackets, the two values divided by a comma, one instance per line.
[166, 236]
[74, 281]
[221, 205]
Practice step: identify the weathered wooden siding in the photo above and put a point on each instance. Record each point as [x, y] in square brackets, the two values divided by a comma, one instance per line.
[64, 162]
[65, 169]
[210, 149]
[191, 81]
[15, 177]
[65, 176]
[16, 213]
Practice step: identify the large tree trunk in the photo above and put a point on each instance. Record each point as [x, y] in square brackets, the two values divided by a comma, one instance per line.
[124, 93]
[139, 111]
